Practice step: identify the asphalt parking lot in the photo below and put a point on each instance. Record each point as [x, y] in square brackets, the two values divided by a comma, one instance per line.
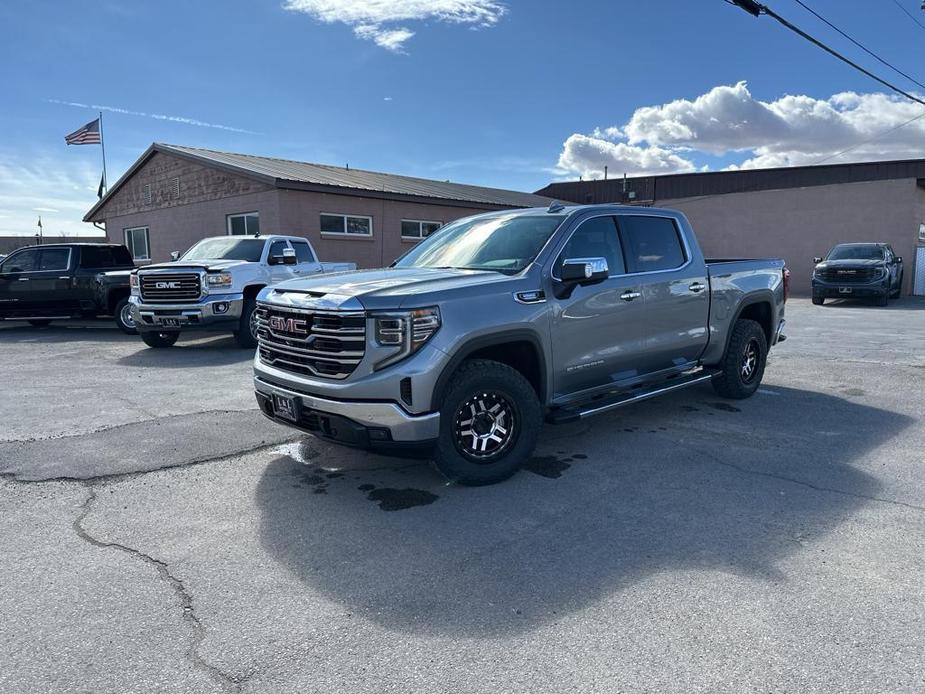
[159, 535]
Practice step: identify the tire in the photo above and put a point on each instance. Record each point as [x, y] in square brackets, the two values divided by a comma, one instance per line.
[899, 288]
[747, 340]
[818, 300]
[123, 316]
[39, 322]
[159, 340]
[505, 439]
[246, 334]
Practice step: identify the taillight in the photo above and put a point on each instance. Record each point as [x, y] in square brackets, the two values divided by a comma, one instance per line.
[786, 284]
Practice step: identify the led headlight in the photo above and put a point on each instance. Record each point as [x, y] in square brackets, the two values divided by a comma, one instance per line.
[221, 279]
[407, 331]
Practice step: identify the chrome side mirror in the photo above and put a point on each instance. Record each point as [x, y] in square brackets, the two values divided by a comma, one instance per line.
[174, 255]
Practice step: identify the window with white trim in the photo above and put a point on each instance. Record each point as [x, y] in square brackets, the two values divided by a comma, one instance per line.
[417, 229]
[244, 224]
[136, 240]
[346, 224]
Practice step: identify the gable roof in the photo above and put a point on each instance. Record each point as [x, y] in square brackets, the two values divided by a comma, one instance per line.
[299, 175]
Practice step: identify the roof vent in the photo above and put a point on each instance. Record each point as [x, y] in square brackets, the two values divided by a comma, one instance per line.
[555, 206]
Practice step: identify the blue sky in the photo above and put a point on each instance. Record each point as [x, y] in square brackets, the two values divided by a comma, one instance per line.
[505, 93]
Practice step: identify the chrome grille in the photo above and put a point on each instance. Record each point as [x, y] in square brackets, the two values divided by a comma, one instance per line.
[850, 275]
[168, 287]
[312, 343]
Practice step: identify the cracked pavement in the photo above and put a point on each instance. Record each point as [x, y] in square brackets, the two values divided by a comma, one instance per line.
[161, 536]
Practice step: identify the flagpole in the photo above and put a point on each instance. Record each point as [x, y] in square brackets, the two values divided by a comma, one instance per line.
[103, 147]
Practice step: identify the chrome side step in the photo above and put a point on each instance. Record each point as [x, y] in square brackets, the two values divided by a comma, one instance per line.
[574, 414]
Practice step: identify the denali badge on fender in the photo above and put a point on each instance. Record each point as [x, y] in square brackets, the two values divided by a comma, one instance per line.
[299, 326]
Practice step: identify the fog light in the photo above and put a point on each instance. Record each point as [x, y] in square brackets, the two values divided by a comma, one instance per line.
[220, 307]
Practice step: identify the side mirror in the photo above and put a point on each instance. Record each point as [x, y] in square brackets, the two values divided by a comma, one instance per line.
[899, 259]
[287, 258]
[174, 255]
[817, 260]
[580, 271]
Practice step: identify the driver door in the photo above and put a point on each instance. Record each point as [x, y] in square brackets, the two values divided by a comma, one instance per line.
[598, 332]
[279, 273]
[16, 275]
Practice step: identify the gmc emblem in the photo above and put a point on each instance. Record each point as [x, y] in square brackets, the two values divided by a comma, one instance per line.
[167, 285]
[847, 272]
[297, 326]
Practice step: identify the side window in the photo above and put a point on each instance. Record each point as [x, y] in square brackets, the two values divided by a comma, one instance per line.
[276, 248]
[303, 252]
[54, 259]
[651, 243]
[24, 261]
[595, 238]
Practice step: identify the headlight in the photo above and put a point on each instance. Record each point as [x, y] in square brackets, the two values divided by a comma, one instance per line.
[221, 279]
[407, 331]
[133, 284]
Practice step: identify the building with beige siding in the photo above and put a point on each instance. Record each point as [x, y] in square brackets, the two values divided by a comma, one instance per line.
[174, 196]
[796, 213]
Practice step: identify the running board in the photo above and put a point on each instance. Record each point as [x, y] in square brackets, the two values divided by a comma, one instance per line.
[576, 413]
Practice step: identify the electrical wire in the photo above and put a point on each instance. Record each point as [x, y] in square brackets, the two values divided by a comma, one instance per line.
[858, 43]
[908, 13]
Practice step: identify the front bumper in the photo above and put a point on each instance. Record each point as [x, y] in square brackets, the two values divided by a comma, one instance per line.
[363, 424]
[847, 290]
[205, 314]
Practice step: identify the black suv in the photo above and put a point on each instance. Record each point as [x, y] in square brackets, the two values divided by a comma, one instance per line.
[856, 271]
[67, 280]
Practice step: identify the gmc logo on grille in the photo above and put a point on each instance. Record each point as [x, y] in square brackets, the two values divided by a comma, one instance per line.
[847, 272]
[167, 285]
[298, 326]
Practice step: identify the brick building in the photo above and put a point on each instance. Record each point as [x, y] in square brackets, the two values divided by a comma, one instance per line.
[173, 196]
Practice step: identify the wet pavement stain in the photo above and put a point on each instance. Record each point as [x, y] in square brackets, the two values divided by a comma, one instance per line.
[334, 475]
[690, 408]
[579, 456]
[854, 392]
[723, 407]
[401, 499]
[366, 487]
[546, 466]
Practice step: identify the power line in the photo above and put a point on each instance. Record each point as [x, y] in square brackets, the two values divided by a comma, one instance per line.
[757, 9]
[908, 13]
[858, 43]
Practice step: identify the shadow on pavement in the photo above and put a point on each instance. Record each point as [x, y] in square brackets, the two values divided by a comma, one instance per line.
[907, 303]
[626, 501]
[219, 351]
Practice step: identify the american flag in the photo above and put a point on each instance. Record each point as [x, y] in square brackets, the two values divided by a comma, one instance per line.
[87, 135]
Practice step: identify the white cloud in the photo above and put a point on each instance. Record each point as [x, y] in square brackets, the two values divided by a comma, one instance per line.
[374, 20]
[790, 131]
[60, 188]
[156, 116]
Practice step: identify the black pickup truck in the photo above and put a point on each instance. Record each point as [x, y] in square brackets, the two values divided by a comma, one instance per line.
[40, 284]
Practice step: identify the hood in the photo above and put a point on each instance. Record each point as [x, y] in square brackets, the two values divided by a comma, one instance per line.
[215, 265]
[389, 288]
[116, 275]
[849, 263]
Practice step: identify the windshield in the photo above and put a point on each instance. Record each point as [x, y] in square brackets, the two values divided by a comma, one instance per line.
[502, 244]
[865, 251]
[231, 248]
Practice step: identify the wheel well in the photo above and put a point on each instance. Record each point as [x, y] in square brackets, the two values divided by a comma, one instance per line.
[520, 355]
[760, 312]
[115, 296]
[252, 291]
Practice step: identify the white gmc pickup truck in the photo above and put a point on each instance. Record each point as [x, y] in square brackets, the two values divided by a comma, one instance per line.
[214, 286]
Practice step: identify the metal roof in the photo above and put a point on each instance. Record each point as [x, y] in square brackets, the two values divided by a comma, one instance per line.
[285, 173]
[649, 189]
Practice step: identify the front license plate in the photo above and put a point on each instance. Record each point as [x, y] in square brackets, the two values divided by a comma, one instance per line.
[173, 322]
[286, 407]
[844, 290]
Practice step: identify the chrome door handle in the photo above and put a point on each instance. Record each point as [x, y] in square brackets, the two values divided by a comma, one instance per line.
[697, 287]
[23, 279]
[64, 277]
[630, 295]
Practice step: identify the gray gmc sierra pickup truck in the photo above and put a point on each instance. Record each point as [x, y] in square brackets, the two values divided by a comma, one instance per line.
[467, 343]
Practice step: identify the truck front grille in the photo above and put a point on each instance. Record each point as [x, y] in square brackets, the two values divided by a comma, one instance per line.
[165, 288]
[850, 275]
[312, 343]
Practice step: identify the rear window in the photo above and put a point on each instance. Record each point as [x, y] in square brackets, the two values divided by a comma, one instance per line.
[651, 243]
[105, 256]
[54, 259]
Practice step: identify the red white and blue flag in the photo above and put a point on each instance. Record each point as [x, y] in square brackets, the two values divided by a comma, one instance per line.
[87, 135]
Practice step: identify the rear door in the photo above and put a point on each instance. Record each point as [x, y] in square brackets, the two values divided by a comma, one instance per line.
[53, 284]
[598, 332]
[16, 275]
[675, 288]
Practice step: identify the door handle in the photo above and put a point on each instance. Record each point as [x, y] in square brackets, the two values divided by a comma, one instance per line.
[697, 287]
[629, 295]
[23, 279]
